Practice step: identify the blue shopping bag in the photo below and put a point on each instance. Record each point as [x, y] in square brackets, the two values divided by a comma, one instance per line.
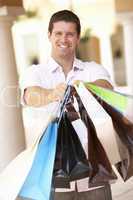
[38, 184]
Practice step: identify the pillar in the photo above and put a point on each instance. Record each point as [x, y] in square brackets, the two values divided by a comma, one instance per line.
[11, 125]
[106, 54]
[126, 19]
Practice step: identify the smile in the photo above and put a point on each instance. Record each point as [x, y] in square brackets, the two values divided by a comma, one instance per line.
[63, 46]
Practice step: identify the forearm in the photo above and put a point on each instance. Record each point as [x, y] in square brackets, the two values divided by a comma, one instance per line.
[103, 83]
[37, 96]
[99, 82]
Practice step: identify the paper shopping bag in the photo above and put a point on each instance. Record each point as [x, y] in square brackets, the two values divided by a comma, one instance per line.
[39, 180]
[102, 171]
[103, 124]
[120, 108]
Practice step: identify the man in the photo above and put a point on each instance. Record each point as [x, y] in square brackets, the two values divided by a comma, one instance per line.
[45, 84]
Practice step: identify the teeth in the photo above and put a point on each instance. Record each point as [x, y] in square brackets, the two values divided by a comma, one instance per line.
[63, 46]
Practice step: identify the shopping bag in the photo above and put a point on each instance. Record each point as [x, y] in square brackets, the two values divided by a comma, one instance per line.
[121, 102]
[124, 129]
[14, 175]
[120, 108]
[70, 161]
[102, 171]
[103, 124]
[39, 180]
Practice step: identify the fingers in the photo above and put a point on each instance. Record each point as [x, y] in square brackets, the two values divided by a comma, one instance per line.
[58, 92]
[76, 82]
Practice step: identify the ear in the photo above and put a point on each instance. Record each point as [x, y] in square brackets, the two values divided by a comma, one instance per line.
[78, 39]
[49, 34]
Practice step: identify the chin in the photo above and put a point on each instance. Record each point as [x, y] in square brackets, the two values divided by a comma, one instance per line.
[65, 54]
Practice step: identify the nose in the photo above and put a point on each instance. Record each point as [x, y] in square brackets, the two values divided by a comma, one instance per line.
[64, 38]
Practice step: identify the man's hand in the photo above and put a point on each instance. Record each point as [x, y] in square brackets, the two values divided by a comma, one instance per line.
[77, 82]
[38, 96]
[57, 93]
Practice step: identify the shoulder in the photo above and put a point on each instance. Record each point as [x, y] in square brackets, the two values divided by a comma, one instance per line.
[34, 70]
[94, 71]
[32, 74]
[93, 67]
[89, 65]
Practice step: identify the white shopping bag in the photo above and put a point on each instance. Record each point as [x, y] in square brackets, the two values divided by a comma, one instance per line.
[103, 124]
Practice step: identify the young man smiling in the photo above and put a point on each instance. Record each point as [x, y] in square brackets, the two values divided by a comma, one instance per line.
[45, 84]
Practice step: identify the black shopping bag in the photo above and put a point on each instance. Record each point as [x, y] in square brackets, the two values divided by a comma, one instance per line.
[70, 160]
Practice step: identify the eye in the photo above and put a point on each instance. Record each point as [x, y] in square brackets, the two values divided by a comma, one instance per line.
[70, 34]
[58, 34]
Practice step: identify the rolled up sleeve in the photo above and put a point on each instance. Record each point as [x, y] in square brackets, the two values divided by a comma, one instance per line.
[99, 72]
[30, 77]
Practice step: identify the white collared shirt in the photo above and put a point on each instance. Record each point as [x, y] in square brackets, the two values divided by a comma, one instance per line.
[48, 76]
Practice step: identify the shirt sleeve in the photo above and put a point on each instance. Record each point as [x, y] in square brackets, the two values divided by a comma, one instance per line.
[97, 72]
[30, 77]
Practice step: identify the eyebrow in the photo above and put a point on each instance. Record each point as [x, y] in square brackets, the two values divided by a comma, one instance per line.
[73, 32]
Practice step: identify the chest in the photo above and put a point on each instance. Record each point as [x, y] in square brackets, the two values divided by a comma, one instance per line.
[52, 79]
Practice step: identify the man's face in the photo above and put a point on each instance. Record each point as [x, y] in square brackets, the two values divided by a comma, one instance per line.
[64, 39]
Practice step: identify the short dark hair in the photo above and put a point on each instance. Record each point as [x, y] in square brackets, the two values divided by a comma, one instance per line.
[67, 16]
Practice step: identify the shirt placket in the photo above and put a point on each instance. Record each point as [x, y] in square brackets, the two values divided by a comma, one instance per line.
[70, 77]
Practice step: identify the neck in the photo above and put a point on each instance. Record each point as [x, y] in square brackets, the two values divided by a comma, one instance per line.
[65, 63]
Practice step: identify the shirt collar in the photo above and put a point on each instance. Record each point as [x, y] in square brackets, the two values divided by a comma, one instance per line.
[77, 65]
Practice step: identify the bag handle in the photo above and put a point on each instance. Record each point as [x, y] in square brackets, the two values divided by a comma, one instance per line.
[64, 102]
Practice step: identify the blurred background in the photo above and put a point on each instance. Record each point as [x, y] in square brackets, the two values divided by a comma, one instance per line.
[106, 37]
